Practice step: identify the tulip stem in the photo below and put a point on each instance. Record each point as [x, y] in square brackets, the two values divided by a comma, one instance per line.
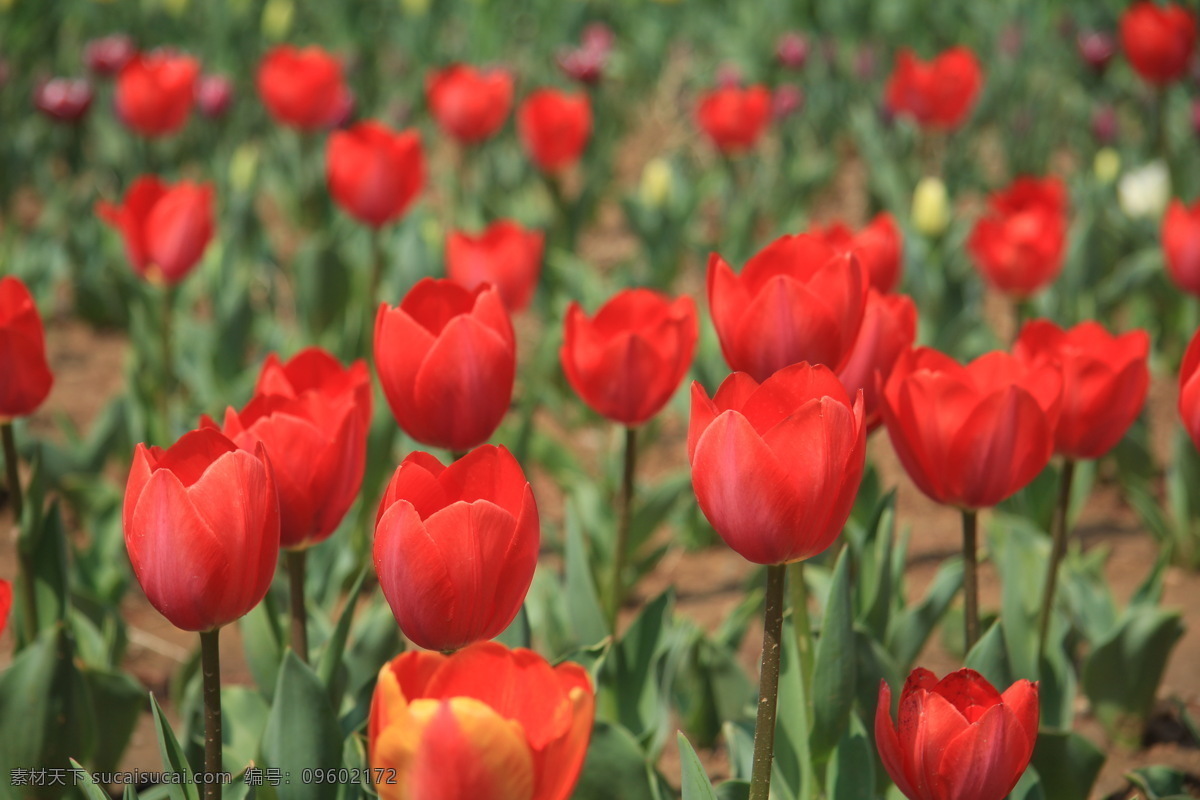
[970, 579]
[623, 524]
[17, 502]
[803, 631]
[1161, 134]
[164, 397]
[768, 685]
[378, 259]
[1057, 550]
[210, 666]
[295, 568]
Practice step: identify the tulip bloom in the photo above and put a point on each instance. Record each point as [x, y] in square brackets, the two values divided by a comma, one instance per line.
[554, 127]
[971, 436]
[732, 118]
[1019, 245]
[1158, 40]
[456, 546]
[374, 173]
[1189, 390]
[958, 737]
[629, 359]
[505, 255]
[303, 87]
[106, 55]
[1181, 245]
[214, 95]
[1104, 380]
[776, 466]
[797, 300]
[937, 94]
[166, 228]
[469, 104]
[878, 246]
[63, 99]
[314, 372]
[485, 722]
[317, 443]
[202, 528]
[155, 92]
[446, 359]
[27, 377]
[889, 329]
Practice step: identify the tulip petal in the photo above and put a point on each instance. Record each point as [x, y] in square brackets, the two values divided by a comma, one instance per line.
[1000, 448]
[468, 751]
[888, 743]
[985, 761]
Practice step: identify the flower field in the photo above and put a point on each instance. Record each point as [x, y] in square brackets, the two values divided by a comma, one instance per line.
[638, 399]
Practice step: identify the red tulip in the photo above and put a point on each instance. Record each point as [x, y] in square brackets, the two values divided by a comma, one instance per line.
[27, 378]
[106, 55]
[889, 329]
[214, 95]
[776, 466]
[155, 92]
[374, 173]
[317, 443]
[1189, 389]
[971, 436]
[456, 546]
[1181, 245]
[937, 94]
[5, 603]
[313, 371]
[1158, 40]
[1104, 380]
[878, 246]
[554, 128]
[505, 255]
[797, 300]
[485, 722]
[202, 528]
[957, 738]
[166, 228]
[629, 359]
[63, 99]
[732, 118]
[469, 104]
[303, 87]
[446, 359]
[1020, 244]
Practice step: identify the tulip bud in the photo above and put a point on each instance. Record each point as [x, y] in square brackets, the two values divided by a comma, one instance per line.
[1097, 49]
[732, 118]
[166, 228]
[415, 8]
[504, 255]
[1180, 237]
[469, 104]
[786, 100]
[1019, 243]
[277, 19]
[657, 183]
[106, 55]
[303, 87]
[63, 99]
[930, 207]
[375, 173]
[1145, 191]
[243, 167]
[214, 94]
[554, 128]
[792, 50]
[1107, 165]
[1104, 124]
[155, 92]
[957, 737]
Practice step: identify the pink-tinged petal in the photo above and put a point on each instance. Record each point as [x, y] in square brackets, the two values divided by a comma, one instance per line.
[985, 761]
[744, 491]
[888, 743]
[180, 562]
[144, 461]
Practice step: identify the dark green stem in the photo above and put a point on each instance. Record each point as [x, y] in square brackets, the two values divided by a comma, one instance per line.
[970, 579]
[17, 503]
[367, 320]
[1162, 139]
[768, 685]
[168, 376]
[299, 612]
[622, 544]
[802, 629]
[210, 666]
[1058, 549]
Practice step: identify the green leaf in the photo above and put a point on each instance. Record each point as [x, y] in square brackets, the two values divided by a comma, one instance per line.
[582, 600]
[262, 642]
[82, 777]
[989, 657]
[302, 730]
[614, 759]
[173, 759]
[1021, 554]
[875, 582]
[518, 633]
[117, 702]
[851, 774]
[1068, 764]
[632, 680]
[1159, 782]
[694, 779]
[834, 664]
[329, 666]
[733, 790]
[910, 629]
